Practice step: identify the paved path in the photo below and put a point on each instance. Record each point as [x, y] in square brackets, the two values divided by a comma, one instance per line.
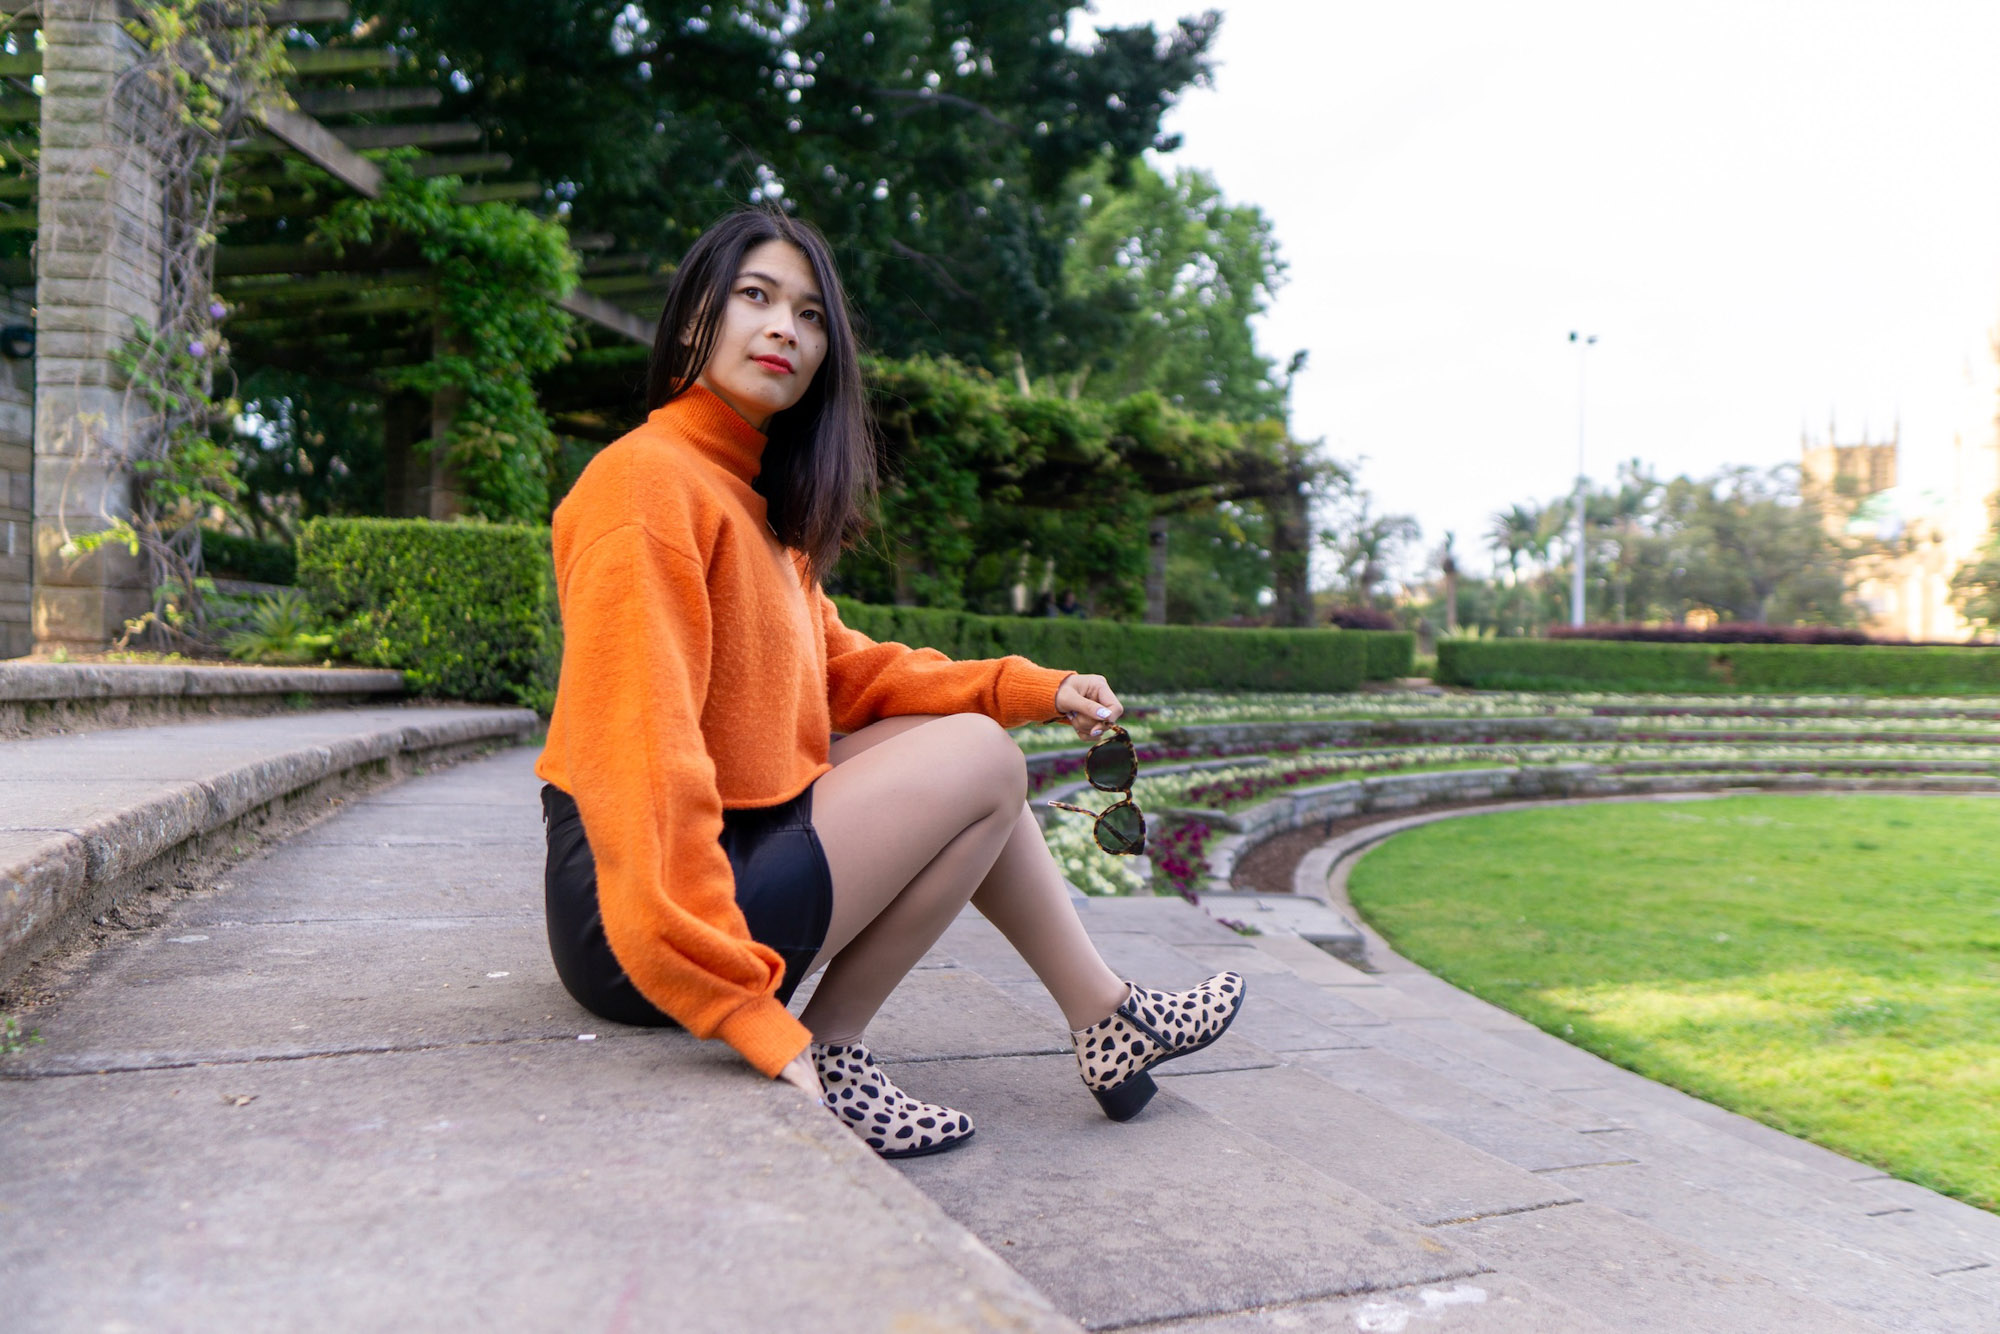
[345, 1090]
[93, 825]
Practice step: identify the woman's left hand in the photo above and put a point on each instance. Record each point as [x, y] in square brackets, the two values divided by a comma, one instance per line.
[1087, 703]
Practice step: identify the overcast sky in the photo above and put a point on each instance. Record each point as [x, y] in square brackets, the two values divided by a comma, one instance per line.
[1770, 213]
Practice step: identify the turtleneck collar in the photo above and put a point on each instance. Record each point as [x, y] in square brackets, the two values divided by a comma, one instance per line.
[715, 430]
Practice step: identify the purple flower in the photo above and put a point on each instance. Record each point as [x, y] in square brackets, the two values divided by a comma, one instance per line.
[197, 348]
[216, 310]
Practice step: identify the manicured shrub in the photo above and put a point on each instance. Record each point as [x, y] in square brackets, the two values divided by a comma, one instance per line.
[1577, 664]
[228, 556]
[464, 610]
[1728, 632]
[1392, 654]
[1137, 657]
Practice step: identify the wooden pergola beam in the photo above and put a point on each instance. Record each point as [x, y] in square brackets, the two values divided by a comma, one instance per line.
[623, 283]
[615, 318]
[459, 164]
[276, 289]
[341, 60]
[359, 137]
[365, 101]
[322, 147]
[484, 192]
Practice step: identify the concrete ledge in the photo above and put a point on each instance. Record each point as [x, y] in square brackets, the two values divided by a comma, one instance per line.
[1386, 731]
[88, 822]
[50, 698]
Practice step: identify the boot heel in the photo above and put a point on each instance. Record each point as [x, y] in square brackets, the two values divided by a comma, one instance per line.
[1128, 1099]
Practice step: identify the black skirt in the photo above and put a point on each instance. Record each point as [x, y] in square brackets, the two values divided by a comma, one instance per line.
[783, 887]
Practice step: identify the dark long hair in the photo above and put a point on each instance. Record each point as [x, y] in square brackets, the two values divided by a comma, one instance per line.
[818, 471]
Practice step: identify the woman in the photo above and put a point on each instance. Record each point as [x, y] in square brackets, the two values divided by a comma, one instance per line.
[710, 846]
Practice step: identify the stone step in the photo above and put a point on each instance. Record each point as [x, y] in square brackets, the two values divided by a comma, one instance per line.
[94, 823]
[1692, 1163]
[1781, 1235]
[60, 698]
[1810, 1219]
[346, 1084]
[1508, 1059]
[1289, 915]
[1185, 1216]
[1265, 1082]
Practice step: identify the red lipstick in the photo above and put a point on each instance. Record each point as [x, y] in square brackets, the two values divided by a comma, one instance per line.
[775, 362]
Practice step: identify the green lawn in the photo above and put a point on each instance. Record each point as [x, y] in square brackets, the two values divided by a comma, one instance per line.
[1829, 965]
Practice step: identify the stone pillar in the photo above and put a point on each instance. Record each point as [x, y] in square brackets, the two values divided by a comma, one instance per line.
[97, 266]
[406, 424]
[1290, 556]
[17, 471]
[1156, 570]
[443, 491]
[418, 481]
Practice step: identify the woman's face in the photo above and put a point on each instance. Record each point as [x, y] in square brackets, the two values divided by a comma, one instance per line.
[771, 335]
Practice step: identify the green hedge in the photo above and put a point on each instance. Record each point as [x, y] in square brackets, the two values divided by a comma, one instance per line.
[464, 610]
[227, 556]
[468, 611]
[1392, 654]
[1582, 664]
[1134, 657]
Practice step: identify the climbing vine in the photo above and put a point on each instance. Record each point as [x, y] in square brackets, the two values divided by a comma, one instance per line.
[499, 270]
[205, 67]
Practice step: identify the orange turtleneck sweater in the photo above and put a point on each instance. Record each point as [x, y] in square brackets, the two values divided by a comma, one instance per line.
[701, 673]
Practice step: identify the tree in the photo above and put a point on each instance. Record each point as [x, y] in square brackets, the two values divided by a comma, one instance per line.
[1748, 546]
[1166, 278]
[1366, 544]
[1218, 563]
[1744, 544]
[315, 449]
[1447, 561]
[1512, 532]
[936, 144]
[1622, 514]
[1975, 588]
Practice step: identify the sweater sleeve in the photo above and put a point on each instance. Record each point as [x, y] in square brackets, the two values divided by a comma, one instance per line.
[867, 682]
[635, 674]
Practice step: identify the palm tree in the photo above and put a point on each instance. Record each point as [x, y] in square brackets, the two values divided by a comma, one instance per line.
[1511, 532]
[1551, 532]
[1627, 507]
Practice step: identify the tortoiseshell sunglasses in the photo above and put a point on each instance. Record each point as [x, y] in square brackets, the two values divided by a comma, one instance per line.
[1111, 765]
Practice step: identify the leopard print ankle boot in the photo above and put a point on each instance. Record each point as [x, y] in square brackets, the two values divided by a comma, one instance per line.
[1150, 1027]
[889, 1120]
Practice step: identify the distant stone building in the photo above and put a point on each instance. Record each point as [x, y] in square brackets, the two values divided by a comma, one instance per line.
[1904, 590]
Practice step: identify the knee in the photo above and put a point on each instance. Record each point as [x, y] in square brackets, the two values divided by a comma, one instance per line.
[984, 747]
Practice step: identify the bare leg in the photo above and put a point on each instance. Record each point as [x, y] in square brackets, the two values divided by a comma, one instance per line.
[1022, 893]
[911, 819]
[1025, 896]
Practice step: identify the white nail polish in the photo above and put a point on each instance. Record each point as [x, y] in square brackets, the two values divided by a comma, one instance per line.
[1104, 713]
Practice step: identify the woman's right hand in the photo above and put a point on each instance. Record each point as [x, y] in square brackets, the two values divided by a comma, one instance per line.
[805, 1075]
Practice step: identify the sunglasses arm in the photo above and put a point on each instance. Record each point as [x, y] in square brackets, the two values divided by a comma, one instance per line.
[1065, 806]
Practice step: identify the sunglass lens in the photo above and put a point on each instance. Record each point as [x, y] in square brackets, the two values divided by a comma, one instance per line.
[1112, 765]
[1121, 829]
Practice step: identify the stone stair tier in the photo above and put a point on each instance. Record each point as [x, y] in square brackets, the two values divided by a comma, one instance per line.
[346, 1085]
[1378, 1151]
[103, 827]
[58, 698]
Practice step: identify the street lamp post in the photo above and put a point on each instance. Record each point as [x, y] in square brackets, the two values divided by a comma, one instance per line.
[1583, 343]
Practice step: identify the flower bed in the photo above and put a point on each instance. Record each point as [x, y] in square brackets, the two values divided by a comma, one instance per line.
[1197, 818]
